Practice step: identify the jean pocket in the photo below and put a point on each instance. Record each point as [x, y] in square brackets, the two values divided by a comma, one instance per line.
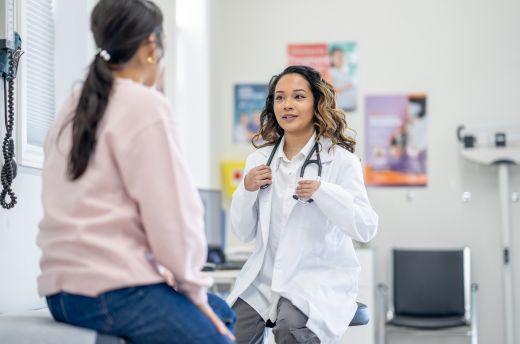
[84, 311]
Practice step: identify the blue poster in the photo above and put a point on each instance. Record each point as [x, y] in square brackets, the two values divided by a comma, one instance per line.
[249, 102]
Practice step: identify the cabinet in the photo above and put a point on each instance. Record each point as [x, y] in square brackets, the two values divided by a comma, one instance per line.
[364, 334]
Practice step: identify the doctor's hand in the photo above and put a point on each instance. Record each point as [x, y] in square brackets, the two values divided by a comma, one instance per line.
[307, 188]
[221, 327]
[258, 176]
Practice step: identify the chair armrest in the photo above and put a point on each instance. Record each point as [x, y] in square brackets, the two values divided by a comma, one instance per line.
[382, 300]
[382, 311]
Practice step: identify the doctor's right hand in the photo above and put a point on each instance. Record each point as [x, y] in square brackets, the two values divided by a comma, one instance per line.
[258, 176]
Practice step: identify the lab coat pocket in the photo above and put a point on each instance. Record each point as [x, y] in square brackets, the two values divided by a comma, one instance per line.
[333, 240]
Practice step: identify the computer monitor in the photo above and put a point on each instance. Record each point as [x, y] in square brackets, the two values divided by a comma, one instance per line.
[213, 217]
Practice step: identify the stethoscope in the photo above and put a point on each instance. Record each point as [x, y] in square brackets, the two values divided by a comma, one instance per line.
[306, 163]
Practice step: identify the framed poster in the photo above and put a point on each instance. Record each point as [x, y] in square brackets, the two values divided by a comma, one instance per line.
[396, 140]
[337, 62]
[249, 102]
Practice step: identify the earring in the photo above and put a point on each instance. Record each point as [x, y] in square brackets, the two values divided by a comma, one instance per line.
[150, 60]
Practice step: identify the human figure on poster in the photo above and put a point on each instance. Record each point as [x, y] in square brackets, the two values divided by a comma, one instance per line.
[342, 80]
[398, 157]
[417, 143]
[241, 132]
[254, 125]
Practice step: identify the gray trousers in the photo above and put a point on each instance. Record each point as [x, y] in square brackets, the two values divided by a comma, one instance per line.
[289, 329]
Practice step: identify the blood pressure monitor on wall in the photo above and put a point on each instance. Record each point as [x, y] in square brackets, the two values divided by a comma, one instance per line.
[490, 143]
[10, 53]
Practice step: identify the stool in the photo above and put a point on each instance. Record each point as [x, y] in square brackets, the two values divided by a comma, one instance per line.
[361, 317]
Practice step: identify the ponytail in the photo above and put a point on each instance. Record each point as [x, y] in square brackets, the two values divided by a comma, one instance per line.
[91, 107]
[120, 27]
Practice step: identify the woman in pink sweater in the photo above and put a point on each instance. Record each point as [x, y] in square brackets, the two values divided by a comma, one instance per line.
[119, 203]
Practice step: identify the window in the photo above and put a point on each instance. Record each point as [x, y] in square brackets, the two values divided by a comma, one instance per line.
[36, 79]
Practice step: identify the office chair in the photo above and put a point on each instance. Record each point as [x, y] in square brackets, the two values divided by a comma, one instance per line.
[361, 317]
[431, 293]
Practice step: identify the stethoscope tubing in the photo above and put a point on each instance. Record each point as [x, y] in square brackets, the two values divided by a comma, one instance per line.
[307, 162]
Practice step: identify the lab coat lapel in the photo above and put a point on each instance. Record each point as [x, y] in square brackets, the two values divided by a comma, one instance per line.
[265, 211]
[264, 199]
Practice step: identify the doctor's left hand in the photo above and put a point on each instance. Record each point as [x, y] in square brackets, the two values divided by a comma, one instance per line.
[307, 188]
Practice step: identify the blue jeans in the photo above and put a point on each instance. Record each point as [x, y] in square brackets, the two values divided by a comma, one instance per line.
[145, 314]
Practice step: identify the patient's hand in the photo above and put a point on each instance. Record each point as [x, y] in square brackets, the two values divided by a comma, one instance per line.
[221, 327]
[168, 277]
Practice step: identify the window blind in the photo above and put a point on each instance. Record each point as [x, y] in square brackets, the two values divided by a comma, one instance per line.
[38, 44]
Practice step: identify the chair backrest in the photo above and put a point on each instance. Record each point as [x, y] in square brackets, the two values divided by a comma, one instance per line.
[430, 283]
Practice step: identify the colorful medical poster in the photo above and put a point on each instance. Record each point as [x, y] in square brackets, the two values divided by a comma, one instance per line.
[343, 65]
[249, 102]
[396, 140]
[337, 62]
[312, 55]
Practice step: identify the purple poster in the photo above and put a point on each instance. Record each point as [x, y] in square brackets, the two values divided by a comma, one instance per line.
[396, 140]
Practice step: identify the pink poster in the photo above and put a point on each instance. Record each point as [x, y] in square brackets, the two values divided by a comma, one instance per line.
[312, 55]
[337, 62]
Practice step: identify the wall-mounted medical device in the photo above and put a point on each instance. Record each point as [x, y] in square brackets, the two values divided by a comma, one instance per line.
[490, 143]
[10, 53]
[497, 144]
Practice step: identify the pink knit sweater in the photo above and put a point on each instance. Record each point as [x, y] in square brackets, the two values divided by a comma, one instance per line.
[136, 200]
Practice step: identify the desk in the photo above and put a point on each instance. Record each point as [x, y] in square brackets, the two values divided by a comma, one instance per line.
[225, 279]
[223, 276]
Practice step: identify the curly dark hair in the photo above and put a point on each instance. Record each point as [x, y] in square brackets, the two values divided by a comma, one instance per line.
[329, 120]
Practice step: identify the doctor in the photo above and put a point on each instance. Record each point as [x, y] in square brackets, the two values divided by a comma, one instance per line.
[303, 273]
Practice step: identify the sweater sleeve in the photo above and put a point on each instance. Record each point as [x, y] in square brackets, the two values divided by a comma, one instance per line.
[156, 176]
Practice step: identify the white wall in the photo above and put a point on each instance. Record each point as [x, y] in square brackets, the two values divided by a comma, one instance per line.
[18, 252]
[464, 54]
[191, 86]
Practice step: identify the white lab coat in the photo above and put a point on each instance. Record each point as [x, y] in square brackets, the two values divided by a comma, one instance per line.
[316, 267]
